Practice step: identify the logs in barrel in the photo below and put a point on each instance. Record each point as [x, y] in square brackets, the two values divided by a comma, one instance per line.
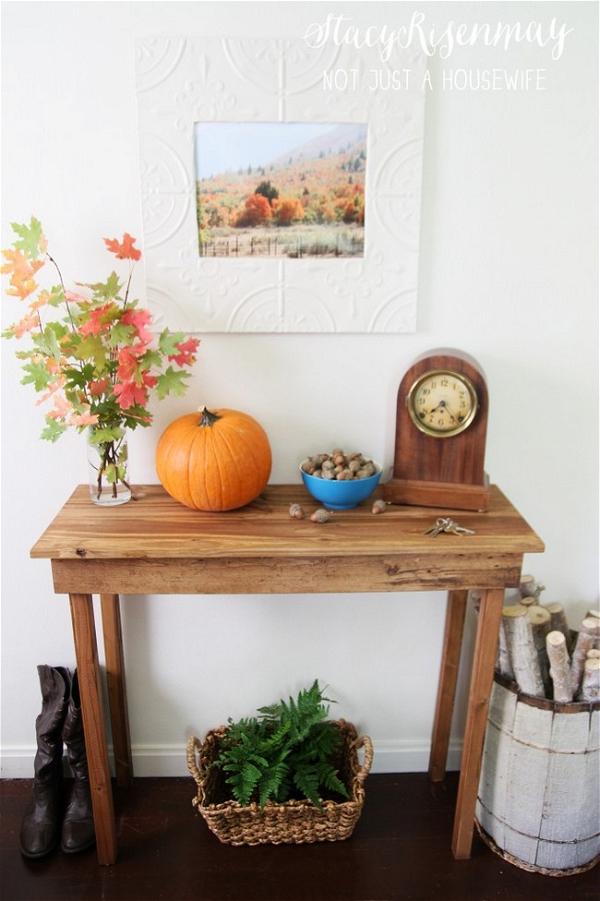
[539, 793]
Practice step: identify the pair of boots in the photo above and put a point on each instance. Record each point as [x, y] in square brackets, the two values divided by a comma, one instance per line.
[46, 821]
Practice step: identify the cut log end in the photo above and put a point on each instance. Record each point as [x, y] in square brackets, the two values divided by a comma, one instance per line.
[514, 610]
[538, 616]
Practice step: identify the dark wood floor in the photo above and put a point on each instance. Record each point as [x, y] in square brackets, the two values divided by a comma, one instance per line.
[400, 850]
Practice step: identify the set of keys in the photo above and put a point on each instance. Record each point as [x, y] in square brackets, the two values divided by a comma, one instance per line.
[446, 524]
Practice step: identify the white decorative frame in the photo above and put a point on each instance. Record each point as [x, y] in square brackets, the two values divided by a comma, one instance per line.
[184, 80]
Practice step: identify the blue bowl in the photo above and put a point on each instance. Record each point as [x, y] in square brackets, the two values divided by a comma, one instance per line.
[341, 495]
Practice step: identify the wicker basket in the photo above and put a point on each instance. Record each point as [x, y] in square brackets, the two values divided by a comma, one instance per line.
[294, 822]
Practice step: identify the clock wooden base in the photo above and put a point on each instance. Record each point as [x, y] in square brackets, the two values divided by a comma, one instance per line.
[448, 495]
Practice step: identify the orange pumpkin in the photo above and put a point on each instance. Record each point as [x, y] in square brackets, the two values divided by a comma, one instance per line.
[216, 460]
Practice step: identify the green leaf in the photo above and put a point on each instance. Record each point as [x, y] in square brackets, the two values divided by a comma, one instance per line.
[57, 296]
[78, 378]
[120, 334]
[37, 375]
[108, 289]
[151, 358]
[110, 472]
[92, 347]
[53, 430]
[104, 435]
[168, 340]
[171, 382]
[30, 236]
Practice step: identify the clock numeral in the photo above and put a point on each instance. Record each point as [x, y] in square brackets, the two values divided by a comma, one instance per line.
[444, 383]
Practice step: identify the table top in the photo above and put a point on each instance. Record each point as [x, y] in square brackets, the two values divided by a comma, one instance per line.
[157, 527]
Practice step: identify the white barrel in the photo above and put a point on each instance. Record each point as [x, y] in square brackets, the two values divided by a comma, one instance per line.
[539, 793]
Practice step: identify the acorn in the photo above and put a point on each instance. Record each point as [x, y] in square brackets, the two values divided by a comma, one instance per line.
[296, 511]
[321, 515]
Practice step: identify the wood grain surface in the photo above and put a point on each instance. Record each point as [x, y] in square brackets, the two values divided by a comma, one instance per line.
[482, 675]
[88, 671]
[456, 608]
[459, 458]
[115, 683]
[156, 526]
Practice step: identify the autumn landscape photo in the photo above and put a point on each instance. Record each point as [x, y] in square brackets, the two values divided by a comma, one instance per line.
[281, 189]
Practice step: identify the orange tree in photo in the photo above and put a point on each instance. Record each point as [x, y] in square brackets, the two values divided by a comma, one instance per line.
[256, 211]
[288, 210]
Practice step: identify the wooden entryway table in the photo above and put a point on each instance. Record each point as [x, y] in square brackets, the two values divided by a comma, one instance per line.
[156, 546]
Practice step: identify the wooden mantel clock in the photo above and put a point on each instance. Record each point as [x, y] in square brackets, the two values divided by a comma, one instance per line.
[441, 423]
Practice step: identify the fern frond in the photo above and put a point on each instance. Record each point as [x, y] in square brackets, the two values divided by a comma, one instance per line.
[329, 779]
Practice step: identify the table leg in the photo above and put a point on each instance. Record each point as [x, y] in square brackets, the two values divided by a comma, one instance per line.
[115, 680]
[453, 633]
[86, 652]
[482, 675]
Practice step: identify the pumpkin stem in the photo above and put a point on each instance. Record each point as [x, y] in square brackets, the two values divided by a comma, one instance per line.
[207, 418]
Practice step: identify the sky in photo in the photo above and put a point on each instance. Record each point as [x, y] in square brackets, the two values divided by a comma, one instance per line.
[229, 146]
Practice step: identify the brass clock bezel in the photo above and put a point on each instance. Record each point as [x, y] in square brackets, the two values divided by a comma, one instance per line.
[427, 430]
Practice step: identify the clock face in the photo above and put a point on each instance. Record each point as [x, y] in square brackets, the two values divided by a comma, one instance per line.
[442, 403]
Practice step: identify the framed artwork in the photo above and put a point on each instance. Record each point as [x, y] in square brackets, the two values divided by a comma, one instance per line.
[280, 186]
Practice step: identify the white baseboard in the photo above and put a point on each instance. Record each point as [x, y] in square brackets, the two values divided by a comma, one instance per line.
[391, 756]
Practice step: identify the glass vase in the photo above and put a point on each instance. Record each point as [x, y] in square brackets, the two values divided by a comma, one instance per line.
[108, 470]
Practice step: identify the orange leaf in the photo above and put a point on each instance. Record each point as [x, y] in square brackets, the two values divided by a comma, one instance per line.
[123, 250]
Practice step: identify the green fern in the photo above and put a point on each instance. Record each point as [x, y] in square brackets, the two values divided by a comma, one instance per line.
[288, 749]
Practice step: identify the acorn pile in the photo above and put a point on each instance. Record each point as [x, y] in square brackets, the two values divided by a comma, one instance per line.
[340, 466]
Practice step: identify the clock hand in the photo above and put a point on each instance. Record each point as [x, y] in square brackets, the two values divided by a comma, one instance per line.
[444, 406]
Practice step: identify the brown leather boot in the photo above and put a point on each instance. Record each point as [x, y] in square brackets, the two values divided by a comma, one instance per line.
[40, 830]
[78, 824]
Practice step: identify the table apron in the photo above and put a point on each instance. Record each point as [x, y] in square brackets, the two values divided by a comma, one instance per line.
[294, 575]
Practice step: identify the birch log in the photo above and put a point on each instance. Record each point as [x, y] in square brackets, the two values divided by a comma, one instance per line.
[522, 651]
[528, 600]
[584, 643]
[556, 647]
[590, 686]
[593, 652]
[595, 613]
[540, 626]
[591, 626]
[558, 620]
[503, 664]
[529, 588]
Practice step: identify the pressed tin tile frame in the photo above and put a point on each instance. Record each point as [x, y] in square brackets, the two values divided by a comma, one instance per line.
[181, 81]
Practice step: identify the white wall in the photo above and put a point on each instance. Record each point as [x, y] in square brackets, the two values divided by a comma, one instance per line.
[508, 272]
